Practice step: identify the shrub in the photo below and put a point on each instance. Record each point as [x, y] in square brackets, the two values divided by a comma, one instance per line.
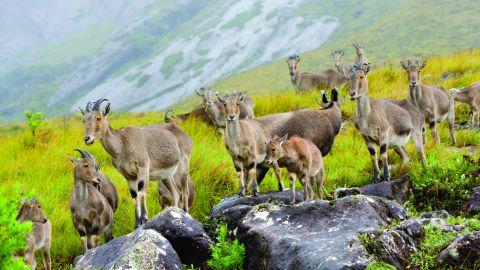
[445, 183]
[226, 254]
[34, 120]
[12, 234]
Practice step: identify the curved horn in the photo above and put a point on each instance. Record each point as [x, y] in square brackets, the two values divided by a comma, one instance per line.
[98, 103]
[84, 153]
[409, 61]
[167, 119]
[417, 61]
[87, 108]
[201, 92]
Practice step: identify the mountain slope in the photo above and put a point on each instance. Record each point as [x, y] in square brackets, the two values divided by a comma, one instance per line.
[147, 55]
[412, 28]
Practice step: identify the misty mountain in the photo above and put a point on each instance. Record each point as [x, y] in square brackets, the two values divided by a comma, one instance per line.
[142, 55]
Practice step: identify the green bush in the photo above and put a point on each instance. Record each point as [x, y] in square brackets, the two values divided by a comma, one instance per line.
[226, 254]
[12, 234]
[34, 120]
[445, 183]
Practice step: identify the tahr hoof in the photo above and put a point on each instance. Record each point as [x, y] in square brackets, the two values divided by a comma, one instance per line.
[255, 193]
[375, 179]
[241, 194]
[280, 189]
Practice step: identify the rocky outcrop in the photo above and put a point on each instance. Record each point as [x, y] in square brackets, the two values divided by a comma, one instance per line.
[436, 214]
[232, 209]
[398, 190]
[462, 252]
[395, 245]
[313, 235]
[474, 202]
[142, 249]
[185, 234]
[344, 192]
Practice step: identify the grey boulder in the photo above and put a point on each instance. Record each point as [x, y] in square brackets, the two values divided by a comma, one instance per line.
[185, 234]
[398, 189]
[395, 245]
[474, 202]
[233, 208]
[141, 249]
[463, 252]
[315, 234]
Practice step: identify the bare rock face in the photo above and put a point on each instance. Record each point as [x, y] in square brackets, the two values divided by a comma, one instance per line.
[462, 252]
[344, 192]
[141, 249]
[232, 209]
[185, 234]
[395, 245]
[315, 234]
[474, 202]
[398, 189]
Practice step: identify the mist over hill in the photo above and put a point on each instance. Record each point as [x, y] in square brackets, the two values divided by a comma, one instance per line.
[142, 55]
[145, 55]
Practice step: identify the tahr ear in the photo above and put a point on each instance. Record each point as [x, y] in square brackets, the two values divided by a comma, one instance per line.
[424, 64]
[403, 65]
[242, 97]
[366, 67]
[74, 160]
[107, 109]
[81, 110]
[283, 139]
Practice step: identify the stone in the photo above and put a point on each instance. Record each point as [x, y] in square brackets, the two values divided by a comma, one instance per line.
[141, 250]
[398, 190]
[315, 234]
[463, 252]
[232, 209]
[185, 234]
[474, 202]
[395, 245]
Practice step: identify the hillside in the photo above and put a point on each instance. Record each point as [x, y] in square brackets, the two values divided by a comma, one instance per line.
[132, 53]
[411, 28]
[23, 158]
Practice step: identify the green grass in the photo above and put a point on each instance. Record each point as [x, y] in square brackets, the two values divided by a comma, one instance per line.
[42, 165]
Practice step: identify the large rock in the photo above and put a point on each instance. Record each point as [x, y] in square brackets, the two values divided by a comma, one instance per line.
[185, 234]
[315, 234]
[395, 245]
[232, 209]
[398, 190]
[462, 252]
[436, 214]
[474, 202]
[142, 249]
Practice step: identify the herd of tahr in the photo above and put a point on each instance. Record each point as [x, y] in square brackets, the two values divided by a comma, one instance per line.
[294, 140]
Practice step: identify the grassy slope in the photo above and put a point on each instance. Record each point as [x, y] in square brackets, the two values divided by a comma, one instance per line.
[388, 30]
[45, 168]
